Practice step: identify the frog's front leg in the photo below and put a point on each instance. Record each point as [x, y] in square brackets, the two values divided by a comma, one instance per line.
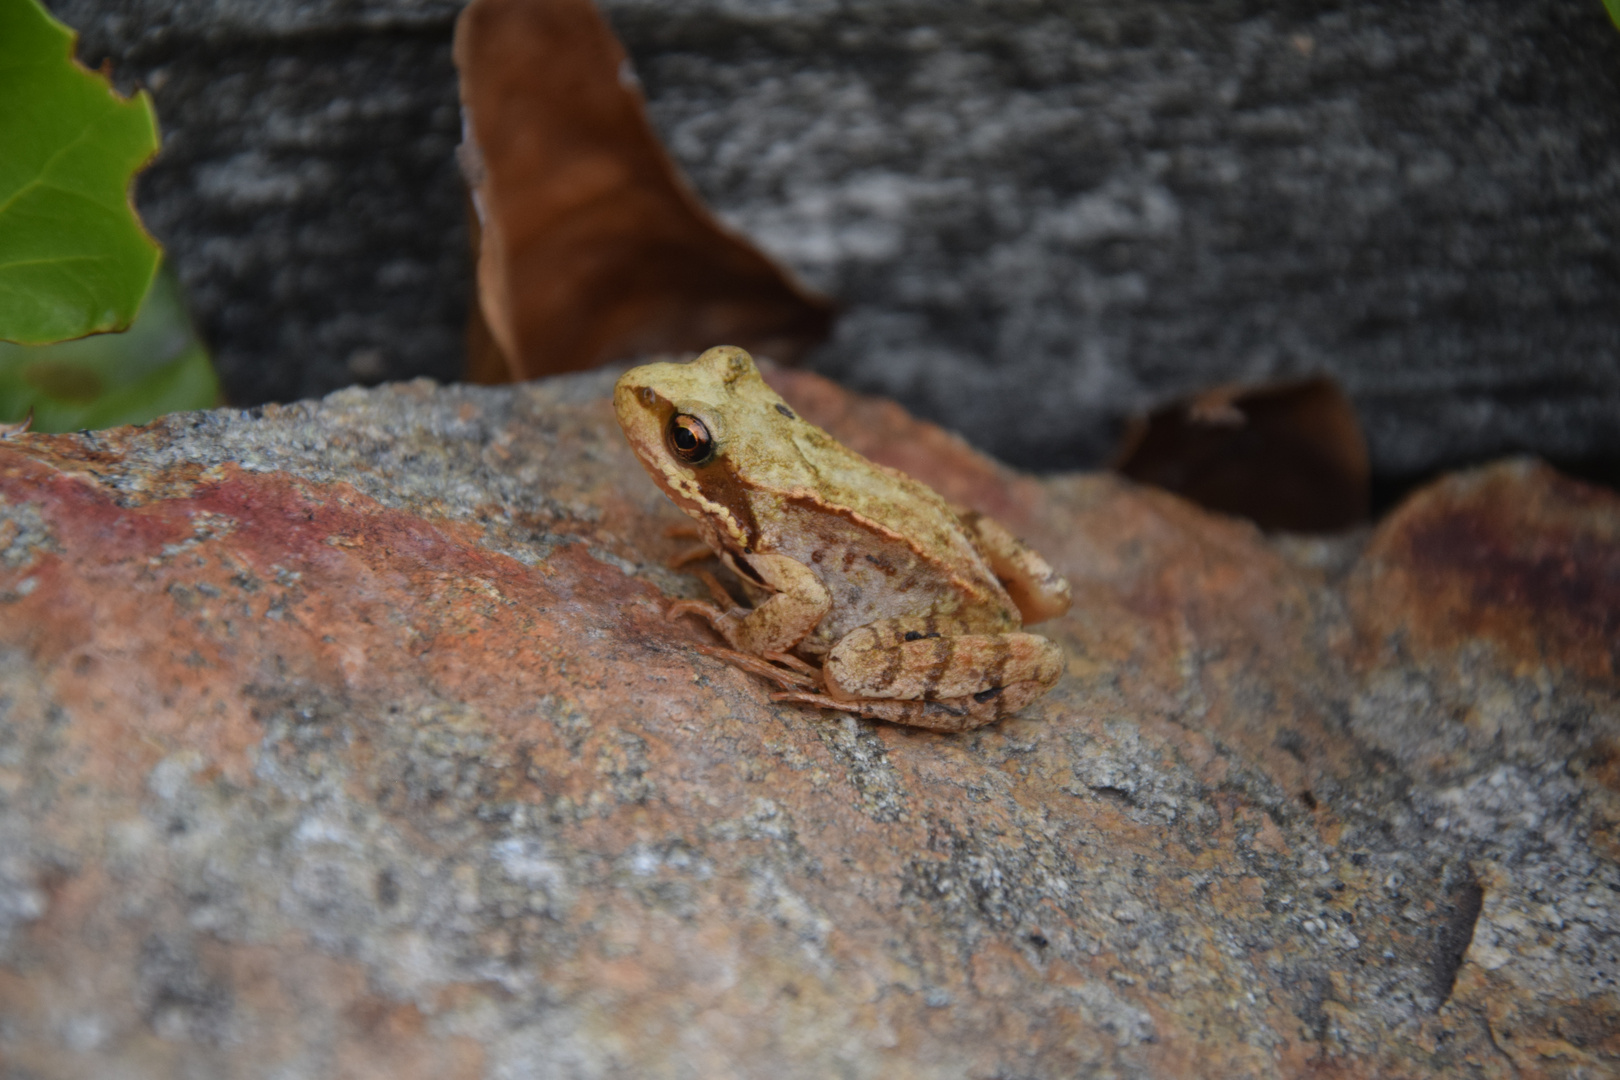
[797, 602]
[932, 672]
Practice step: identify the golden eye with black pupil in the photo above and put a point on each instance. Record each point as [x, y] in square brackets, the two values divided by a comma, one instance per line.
[689, 439]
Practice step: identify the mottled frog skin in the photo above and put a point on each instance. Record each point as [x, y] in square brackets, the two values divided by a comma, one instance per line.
[870, 594]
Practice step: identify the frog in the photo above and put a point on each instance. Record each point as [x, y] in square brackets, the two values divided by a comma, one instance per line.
[868, 593]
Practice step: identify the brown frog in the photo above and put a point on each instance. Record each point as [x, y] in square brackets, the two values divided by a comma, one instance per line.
[871, 594]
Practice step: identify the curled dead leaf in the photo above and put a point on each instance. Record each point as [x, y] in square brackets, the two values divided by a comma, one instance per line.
[1286, 455]
[593, 246]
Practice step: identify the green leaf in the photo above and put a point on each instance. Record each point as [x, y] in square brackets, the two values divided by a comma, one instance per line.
[1614, 12]
[74, 259]
[157, 366]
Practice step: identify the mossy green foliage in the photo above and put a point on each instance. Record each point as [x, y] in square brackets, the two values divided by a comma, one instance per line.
[155, 367]
[74, 259]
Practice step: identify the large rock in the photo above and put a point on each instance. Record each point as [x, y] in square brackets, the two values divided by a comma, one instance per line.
[348, 739]
[1037, 217]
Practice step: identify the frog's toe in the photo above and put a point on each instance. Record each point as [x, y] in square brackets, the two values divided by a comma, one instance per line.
[701, 608]
[787, 659]
[755, 665]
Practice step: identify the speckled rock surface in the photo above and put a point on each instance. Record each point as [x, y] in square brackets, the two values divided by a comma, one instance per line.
[348, 739]
[1037, 216]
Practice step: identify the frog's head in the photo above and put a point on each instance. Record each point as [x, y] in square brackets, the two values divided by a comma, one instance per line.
[704, 431]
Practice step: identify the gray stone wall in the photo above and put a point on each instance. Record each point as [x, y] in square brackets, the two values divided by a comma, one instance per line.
[1037, 216]
[307, 191]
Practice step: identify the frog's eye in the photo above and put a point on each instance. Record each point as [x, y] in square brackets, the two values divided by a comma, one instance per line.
[689, 439]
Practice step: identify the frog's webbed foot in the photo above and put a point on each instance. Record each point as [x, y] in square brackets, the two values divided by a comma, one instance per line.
[791, 678]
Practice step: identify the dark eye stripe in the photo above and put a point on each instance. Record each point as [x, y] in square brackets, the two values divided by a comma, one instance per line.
[787, 412]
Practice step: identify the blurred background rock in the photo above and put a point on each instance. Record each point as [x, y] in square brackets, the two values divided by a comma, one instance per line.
[1037, 217]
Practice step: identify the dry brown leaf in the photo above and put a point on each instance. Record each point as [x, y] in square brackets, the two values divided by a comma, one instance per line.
[593, 245]
[1287, 455]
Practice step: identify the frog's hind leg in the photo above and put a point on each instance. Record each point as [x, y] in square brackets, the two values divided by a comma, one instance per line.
[795, 680]
[933, 672]
[935, 659]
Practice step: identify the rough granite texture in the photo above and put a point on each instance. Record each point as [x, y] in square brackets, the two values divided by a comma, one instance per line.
[348, 739]
[1037, 216]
